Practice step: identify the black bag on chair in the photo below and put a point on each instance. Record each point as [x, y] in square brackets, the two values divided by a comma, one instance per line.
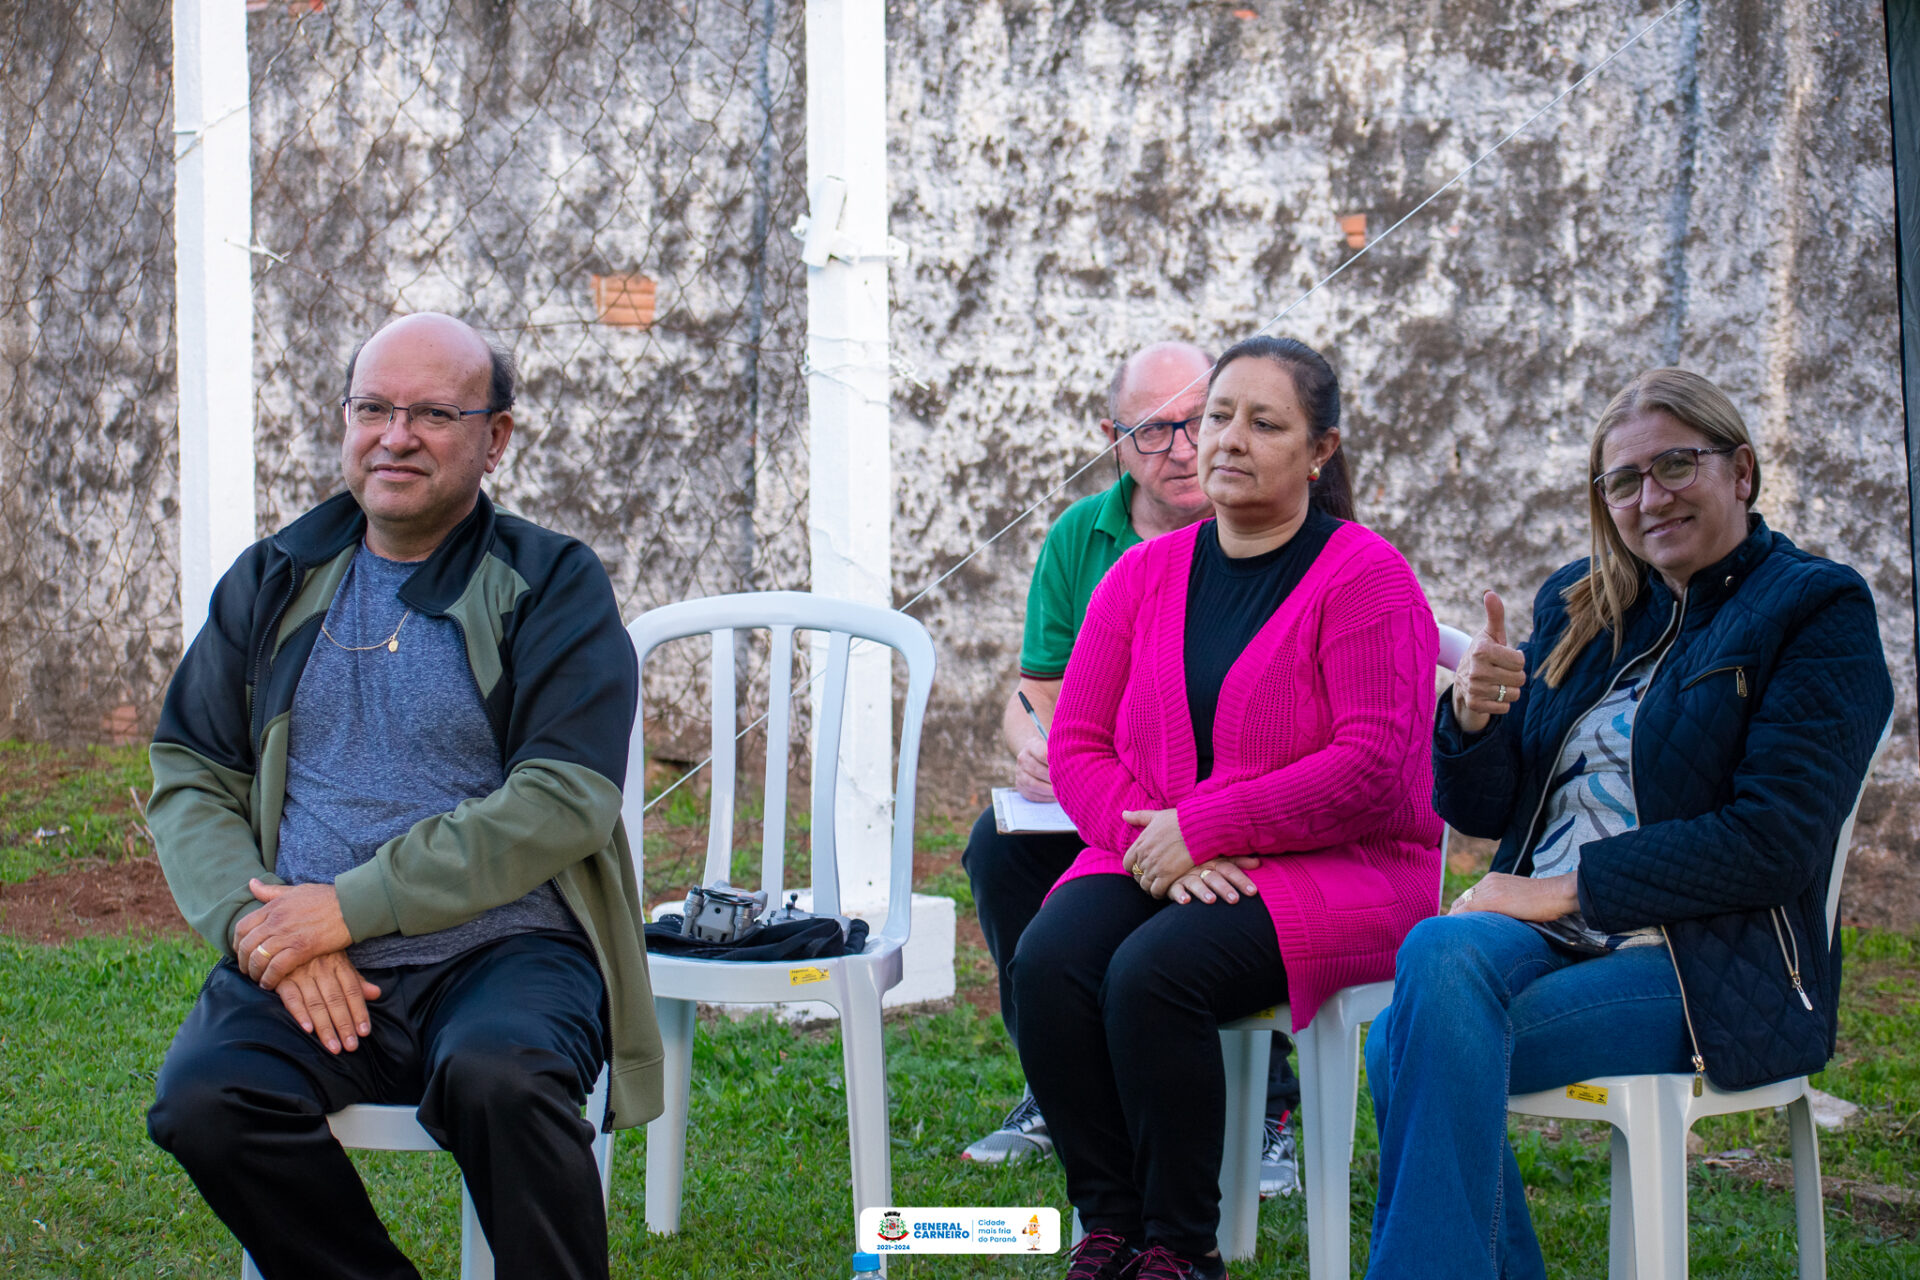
[728, 926]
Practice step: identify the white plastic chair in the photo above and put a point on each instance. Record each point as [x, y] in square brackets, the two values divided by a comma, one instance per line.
[1650, 1116]
[1329, 1049]
[369, 1127]
[853, 985]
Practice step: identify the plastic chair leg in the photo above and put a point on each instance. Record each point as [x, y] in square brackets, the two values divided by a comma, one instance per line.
[1620, 1215]
[863, 1054]
[476, 1255]
[1245, 1055]
[667, 1132]
[603, 1161]
[1808, 1212]
[1329, 1097]
[1657, 1138]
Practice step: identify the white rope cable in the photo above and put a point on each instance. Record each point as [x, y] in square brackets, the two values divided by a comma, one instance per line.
[1286, 311]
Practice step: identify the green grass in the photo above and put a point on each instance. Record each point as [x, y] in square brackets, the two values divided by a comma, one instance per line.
[59, 806]
[84, 1025]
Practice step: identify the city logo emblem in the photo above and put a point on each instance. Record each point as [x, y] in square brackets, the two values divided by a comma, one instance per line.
[892, 1225]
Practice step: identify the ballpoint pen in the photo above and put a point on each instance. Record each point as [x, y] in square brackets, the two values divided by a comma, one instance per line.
[1032, 714]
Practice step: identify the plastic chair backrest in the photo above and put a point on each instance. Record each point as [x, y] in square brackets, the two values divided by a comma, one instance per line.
[1845, 841]
[782, 613]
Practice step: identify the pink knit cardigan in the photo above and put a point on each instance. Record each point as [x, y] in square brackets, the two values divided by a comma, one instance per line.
[1322, 749]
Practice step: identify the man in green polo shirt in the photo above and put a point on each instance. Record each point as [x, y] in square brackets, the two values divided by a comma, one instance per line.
[1154, 404]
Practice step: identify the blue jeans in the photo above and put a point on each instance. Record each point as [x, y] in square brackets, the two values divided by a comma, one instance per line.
[1483, 1006]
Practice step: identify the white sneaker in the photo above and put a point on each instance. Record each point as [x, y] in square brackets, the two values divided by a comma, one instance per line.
[1021, 1135]
[1279, 1159]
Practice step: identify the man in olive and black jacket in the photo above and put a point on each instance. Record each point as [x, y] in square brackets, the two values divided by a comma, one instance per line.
[387, 788]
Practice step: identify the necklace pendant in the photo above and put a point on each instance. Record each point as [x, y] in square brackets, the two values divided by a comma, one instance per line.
[393, 644]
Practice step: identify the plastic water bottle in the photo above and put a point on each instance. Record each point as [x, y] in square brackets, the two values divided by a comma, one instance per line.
[866, 1266]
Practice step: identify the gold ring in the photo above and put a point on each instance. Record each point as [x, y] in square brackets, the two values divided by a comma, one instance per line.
[1205, 872]
[263, 953]
[1501, 696]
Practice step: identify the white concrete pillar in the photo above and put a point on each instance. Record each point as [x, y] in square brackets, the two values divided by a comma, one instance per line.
[213, 283]
[850, 479]
[850, 476]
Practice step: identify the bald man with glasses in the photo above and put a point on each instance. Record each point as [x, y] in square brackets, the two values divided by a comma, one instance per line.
[387, 789]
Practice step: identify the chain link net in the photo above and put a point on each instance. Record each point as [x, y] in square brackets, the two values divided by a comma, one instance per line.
[603, 186]
[89, 625]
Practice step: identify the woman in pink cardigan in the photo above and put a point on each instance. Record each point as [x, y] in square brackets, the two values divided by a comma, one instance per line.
[1242, 740]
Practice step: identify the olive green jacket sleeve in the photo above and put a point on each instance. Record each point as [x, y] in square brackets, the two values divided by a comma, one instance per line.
[497, 848]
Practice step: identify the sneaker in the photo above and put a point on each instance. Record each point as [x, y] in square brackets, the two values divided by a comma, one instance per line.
[1021, 1135]
[1279, 1159]
[1162, 1263]
[1100, 1255]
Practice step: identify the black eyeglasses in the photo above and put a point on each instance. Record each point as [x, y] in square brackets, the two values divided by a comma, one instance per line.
[1157, 437]
[372, 412]
[1674, 470]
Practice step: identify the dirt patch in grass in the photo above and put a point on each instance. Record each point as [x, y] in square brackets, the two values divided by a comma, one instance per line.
[95, 898]
[975, 979]
[1884, 987]
[1893, 1210]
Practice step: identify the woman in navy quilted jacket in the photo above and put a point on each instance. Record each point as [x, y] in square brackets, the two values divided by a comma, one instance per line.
[1667, 762]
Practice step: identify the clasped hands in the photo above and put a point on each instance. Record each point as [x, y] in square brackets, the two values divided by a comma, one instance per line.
[294, 945]
[1160, 863]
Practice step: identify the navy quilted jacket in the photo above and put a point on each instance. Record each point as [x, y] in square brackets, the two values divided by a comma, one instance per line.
[1749, 746]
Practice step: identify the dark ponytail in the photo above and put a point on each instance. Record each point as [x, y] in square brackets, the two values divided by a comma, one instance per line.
[1318, 391]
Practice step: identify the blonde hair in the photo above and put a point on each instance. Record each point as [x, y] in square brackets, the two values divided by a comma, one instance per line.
[1599, 601]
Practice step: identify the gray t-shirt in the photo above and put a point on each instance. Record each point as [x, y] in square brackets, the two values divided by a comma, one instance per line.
[382, 739]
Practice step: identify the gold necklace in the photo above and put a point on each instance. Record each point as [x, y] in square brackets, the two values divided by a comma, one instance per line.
[391, 644]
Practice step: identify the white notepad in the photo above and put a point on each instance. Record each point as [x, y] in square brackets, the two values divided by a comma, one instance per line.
[1013, 812]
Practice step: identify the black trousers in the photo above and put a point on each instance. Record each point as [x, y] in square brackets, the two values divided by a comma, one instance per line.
[498, 1048]
[1010, 875]
[1121, 997]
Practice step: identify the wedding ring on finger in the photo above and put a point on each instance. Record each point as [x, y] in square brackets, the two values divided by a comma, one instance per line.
[1500, 695]
[264, 954]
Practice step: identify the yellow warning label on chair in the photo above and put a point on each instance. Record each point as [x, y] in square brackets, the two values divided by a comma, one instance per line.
[1587, 1093]
[804, 974]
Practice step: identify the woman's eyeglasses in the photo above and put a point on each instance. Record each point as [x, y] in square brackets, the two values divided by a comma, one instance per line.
[1673, 471]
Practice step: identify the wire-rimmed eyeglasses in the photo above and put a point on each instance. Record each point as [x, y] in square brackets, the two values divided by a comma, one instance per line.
[373, 412]
[1674, 470]
[1157, 437]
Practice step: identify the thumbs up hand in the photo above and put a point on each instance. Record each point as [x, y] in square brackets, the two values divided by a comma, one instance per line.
[1490, 677]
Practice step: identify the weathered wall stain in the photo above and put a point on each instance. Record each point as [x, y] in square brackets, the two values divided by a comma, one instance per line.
[1076, 178]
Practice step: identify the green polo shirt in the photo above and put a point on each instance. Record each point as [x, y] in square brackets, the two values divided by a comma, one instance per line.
[1082, 545]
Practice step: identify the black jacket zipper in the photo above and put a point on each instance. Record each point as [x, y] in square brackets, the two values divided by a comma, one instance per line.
[1686, 1009]
[267, 633]
[1783, 933]
[1739, 679]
